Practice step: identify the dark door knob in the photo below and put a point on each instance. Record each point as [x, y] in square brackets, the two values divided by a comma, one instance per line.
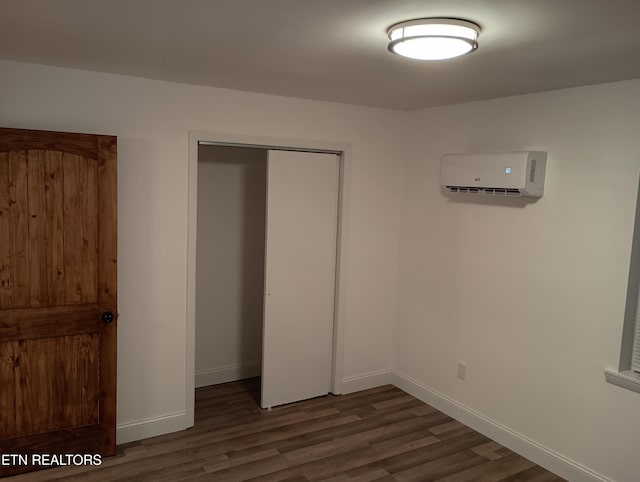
[107, 317]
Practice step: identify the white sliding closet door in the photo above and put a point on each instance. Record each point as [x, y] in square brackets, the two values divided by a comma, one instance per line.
[302, 209]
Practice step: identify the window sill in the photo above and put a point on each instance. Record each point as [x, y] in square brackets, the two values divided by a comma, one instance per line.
[626, 379]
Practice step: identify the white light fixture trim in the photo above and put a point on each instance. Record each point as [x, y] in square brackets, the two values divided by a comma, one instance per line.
[433, 38]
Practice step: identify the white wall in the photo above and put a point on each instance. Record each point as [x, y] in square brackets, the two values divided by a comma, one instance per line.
[230, 263]
[531, 296]
[152, 120]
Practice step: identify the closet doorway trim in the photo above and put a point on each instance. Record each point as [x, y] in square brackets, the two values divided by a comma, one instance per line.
[197, 138]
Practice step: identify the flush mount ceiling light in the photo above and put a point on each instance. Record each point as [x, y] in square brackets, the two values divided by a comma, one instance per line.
[433, 38]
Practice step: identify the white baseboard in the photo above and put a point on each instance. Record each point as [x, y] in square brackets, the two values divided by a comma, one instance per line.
[365, 381]
[151, 427]
[520, 444]
[541, 455]
[231, 373]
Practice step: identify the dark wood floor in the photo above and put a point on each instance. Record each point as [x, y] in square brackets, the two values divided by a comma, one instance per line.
[379, 434]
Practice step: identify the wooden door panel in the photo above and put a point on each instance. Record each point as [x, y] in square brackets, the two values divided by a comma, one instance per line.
[81, 231]
[6, 248]
[48, 390]
[58, 269]
[14, 231]
[49, 226]
[44, 216]
[19, 225]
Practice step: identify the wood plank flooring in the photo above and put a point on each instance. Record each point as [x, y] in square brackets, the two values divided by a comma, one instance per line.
[380, 434]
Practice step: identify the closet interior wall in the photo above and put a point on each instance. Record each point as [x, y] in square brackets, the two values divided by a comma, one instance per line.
[229, 263]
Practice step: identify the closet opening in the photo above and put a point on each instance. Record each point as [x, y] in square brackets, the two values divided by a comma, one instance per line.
[264, 226]
[230, 263]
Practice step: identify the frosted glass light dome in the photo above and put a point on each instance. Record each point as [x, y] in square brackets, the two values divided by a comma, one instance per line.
[433, 38]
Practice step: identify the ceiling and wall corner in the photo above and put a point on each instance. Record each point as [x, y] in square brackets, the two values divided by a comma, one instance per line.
[332, 50]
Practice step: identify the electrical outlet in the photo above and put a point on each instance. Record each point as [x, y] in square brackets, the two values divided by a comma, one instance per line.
[462, 370]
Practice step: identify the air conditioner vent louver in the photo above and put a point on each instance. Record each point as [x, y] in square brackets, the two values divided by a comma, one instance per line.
[496, 191]
[463, 189]
[491, 191]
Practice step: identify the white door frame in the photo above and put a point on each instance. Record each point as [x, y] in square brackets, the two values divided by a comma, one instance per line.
[227, 139]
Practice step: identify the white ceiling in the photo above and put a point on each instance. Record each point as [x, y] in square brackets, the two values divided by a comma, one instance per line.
[331, 49]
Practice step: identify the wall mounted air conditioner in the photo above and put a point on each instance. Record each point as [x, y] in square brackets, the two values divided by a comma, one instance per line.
[498, 174]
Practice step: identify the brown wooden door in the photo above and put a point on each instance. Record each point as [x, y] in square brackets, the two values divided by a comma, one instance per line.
[57, 279]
